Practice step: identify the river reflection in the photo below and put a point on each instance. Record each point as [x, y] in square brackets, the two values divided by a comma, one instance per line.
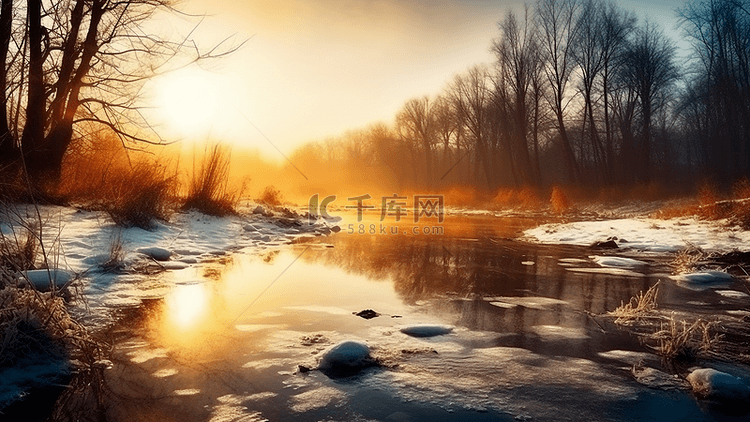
[231, 340]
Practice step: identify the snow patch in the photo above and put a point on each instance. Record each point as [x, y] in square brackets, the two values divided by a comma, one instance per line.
[645, 234]
[532, 302]
[734, 294]
[156, 253]
[713, 384]
[704, 280]
[607, 271]
[345, 356]
[617, 262]
[427, 330]
[43, 280]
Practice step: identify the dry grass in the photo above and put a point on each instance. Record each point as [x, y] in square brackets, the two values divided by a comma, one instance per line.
[208, 191]
[524, 198]
[18, 254]
[688, 260]
[140, 195]
[115, 262]
[638, 307]
[682, 341]
[271, 196]
[676, 341]
[559, 201]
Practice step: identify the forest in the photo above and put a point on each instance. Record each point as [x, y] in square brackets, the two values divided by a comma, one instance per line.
[581, 93]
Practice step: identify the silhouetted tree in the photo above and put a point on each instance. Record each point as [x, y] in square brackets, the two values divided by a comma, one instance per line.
[78, 61]
[719, 95]
[557, 26]
[517, 53]
[649, 70]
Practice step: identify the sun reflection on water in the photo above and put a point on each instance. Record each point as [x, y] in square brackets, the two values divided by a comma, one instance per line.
[187, 305]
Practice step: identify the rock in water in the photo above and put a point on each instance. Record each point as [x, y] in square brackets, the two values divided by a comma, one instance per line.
[345, 358]
[606, 244]
[427, 330]
[367, 314]
[713, 384]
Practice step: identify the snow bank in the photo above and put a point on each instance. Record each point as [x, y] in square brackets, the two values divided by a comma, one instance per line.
[645, 234]
[713, 384]
[82, 242]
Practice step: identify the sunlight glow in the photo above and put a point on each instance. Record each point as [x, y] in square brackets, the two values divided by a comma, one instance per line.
[188, 304]
[191, 101]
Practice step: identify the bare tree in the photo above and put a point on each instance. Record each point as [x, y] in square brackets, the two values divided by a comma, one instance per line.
[557, 24]
[517, 53]
[416, 124]
[649, 70]
[720, 31]
[471, 95]
[80, 61]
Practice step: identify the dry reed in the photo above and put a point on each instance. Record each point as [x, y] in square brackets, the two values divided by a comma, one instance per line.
[638, 307]
[208, 190]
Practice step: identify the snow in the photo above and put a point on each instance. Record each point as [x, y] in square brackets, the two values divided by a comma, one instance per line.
[621, 272]
[704, 280]
[347, 355]
[734, 294]
[424, 330]
[617, 262]
[44, 279]
[80, 243]
[713, 384]
[645, 234]
[155, 252]
[532, 302]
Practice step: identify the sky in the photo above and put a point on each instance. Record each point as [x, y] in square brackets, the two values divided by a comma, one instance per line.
[313, 69]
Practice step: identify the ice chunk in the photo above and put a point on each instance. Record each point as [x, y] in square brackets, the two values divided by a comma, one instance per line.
[427, 330]
[607, 271]
[734, 294]
[617, 262]
[155, 252]
[710, 383]
[704, 280]
[345, 356]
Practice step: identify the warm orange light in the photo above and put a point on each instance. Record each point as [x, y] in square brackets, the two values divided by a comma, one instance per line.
[187, 305]
[191, 102]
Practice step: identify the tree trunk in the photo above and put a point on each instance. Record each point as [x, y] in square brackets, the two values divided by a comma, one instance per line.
[33, 133]
[8, 149]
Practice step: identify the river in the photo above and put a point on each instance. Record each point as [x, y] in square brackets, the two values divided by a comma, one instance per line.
[239, 339]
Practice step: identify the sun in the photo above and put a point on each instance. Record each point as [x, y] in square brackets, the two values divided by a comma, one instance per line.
[191, 102]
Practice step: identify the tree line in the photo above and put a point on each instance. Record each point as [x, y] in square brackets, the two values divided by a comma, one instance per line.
[580, 92]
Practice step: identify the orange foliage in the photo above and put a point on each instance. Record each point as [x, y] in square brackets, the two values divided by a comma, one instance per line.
[741, 189]
[526, 198]
[559, 201]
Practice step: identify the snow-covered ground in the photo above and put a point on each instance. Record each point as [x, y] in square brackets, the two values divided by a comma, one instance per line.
[82, 241]
[646, 234]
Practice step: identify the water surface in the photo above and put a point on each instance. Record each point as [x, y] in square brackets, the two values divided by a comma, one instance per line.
[232, 341]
